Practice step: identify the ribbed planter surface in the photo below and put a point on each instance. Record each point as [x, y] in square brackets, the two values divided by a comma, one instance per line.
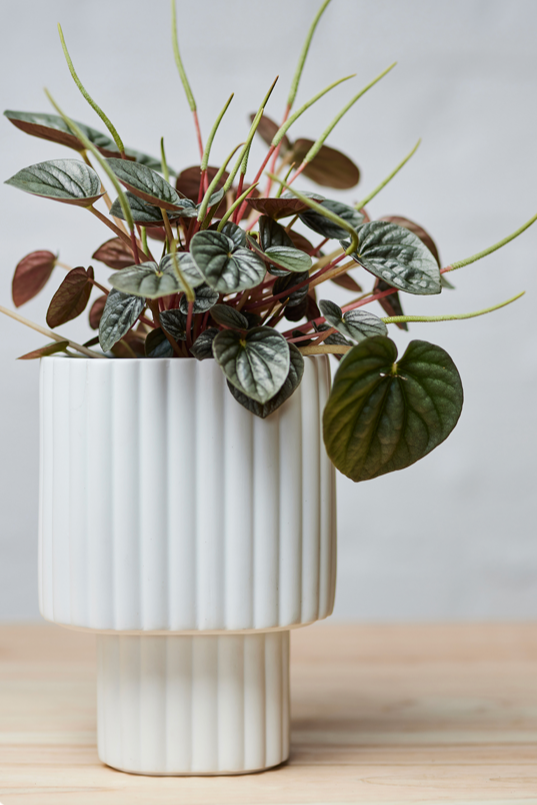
[167, 506]
[193, 705]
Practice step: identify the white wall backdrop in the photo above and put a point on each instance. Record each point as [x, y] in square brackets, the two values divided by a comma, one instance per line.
[453, 536]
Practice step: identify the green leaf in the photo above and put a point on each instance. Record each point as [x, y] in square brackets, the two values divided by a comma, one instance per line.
[287, 283]
[417, 230]
[114, 253]
[233, 231]
[202, 348]
[335, 339]
[397, 256]
[188, 267]
[382, 414]
[256, 363]
[229, 317]
[226, 267]
[31, 275]
[149, 215]
[205, 299]
[146, 183]
[174, 322]
[288, 258]
[71, 298]
[146, 280]
[157, 345]
[329, 168]
[119, 314]
[55, 129]
[355, 324]
[271, 233]
[324, 226]
[67, 180]
[292, 381]
[42, 352]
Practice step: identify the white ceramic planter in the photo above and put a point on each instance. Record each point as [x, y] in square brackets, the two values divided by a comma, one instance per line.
[168, 510]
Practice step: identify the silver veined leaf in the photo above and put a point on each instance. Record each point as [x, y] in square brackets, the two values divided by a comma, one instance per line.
[355, 324]
[291, 383]
[226, 267]
[67, 180]
[119, 314]
[146, 280]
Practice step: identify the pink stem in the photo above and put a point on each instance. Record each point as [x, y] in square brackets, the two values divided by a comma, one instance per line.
[198, 133]
[258, 176]
[276, 153]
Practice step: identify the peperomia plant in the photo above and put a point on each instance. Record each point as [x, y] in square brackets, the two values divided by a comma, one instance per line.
[227, 267]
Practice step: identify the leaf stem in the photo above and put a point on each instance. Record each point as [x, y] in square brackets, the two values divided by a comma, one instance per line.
[124, 237]
[451, 317]
[207, 151]
[107, 122]
[214, 184]
[235, 205]
[325, 349]
[303, 55]
[164, 164]
[383, 184]
[485, 252]
[55, 336]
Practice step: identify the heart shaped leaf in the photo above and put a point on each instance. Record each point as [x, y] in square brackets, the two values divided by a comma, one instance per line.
[42, 352]
[324, 226]
[205, 299]
[146, 280]
[287, 283]
[67, 180]
[329, 168]
[146, 183]
[256, 363]
[271, 233]
[292, 382]
[71, 298]
[120, 313]
[96, 311]
[31, 275]
[417, 230]
[55, 129]
[355, 324]
[157, 345]
[188, 267]
[174, 322]
[229, 317]
[226, 267]
[233, 231]
[277, 207]
[114, 253]
[382, 414]
[288, 258]
[397, 256]
[202, 348]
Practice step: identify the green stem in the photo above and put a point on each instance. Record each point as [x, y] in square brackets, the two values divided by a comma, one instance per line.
[303, 55]
[179, 61]
[485, 252]
[189, 291]
[164, 164]
[383, 184]
[107, 122]
[234, 206]
[287, 175]
[210, 190]
[278, 137]
[323, 211]
[454, 316]
[206, 153]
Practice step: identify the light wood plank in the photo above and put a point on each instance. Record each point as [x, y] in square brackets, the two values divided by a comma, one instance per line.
[390, 714]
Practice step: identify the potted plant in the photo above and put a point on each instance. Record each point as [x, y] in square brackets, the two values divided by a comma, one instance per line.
[187, 497]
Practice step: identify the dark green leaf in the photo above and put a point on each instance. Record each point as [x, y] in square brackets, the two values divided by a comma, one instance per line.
[157, 345]
[233, 231]
[271, 233]
[288, 258]
[150, 216]
[174, 322]
[391, 304]
[67, 180]
[292, 381]
[114, 254]
[417, 230]
[226, 267]
[254, 319]
[229, 317]
[355, 324]
[329, 168]
[202, 348]
[324, 226]
[188, 267]
[287, 283]
[146, 280]
[146, 183]
[42, 352]
[71, 298]
[335, 339]
[205, 299]
[397, 256]
[119, 315]
[31, 275]
[382, 414]
[256, 363]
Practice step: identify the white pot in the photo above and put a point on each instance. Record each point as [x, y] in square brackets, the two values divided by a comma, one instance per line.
[191, 535]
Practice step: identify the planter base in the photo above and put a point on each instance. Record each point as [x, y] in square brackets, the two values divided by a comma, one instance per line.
[203, 704]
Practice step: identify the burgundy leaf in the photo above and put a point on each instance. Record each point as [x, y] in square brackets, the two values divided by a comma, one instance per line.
[347, 282]
[267, 128]
[300, 242]
[96, 311]
[188, 181]
[31, 275]
[278, 207]
[114, 254]
[48, 349]
[330, 168]
[71, 298]
[390, 304]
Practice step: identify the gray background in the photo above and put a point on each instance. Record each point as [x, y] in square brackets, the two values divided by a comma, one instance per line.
[454, 536]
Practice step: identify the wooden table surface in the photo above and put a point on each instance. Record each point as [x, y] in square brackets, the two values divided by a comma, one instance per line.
[391, 714]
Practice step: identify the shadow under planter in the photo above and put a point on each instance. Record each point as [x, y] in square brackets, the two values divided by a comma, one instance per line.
[191, 536]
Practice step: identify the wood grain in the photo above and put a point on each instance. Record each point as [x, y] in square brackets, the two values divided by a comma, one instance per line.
[390, 714]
